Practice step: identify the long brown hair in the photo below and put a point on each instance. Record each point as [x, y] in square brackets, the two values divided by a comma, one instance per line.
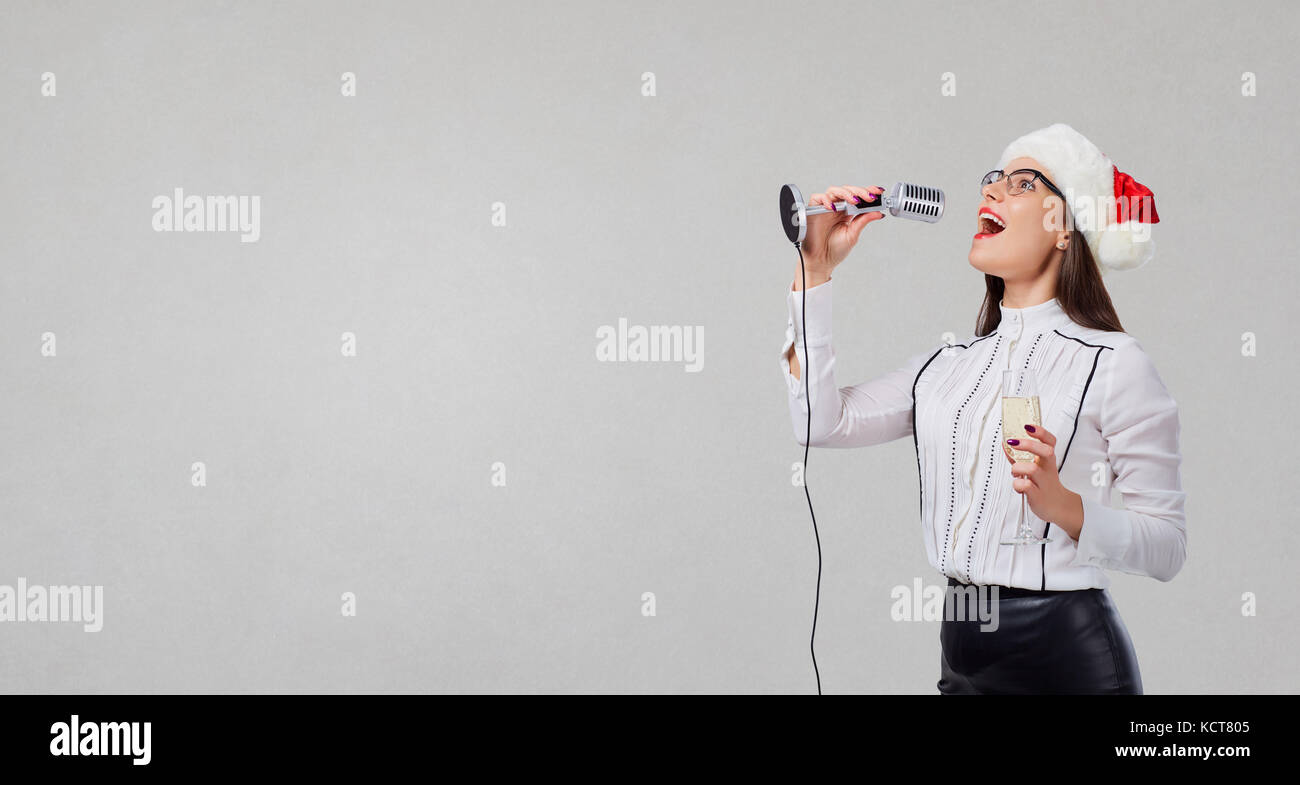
[1079, 291]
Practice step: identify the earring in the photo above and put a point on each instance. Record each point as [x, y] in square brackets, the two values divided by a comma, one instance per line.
[1061, 245]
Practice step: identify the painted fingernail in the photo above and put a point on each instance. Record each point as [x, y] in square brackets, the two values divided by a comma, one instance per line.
[856, 200]
[1029, 428]
[1013, 441]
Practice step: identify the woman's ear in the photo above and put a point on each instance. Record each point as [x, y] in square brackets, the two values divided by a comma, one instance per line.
[1062, 241]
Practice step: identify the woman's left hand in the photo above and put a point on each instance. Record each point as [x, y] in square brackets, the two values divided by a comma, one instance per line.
[1048, 498]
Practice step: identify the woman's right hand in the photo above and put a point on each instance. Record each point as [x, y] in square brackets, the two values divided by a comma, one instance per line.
[832, 235]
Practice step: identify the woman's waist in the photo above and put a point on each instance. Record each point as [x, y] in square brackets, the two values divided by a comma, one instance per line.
[1001, 592]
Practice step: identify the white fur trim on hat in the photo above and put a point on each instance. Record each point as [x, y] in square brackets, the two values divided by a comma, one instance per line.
[1087, 178]
[1123, 248]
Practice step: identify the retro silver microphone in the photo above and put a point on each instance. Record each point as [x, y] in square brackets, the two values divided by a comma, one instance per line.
[904, 200]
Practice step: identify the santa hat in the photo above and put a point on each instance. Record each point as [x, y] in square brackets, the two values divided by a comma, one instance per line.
[1111, 209]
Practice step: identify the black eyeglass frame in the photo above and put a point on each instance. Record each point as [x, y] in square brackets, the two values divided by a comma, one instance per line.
[1037, 176]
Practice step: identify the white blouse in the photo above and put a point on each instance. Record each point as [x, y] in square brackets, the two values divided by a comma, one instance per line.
[1114, 420]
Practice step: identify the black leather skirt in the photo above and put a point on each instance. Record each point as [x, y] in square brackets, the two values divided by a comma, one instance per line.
[1045, 642]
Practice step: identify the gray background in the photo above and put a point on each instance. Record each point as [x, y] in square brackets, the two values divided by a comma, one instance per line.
[477, 343]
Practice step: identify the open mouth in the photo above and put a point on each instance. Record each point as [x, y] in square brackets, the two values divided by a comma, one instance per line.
[990, 224]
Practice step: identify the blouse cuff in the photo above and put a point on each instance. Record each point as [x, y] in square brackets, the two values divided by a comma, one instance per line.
[818, 317]
[1105, 536]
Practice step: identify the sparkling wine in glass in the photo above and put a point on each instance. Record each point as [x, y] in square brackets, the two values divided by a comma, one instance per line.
[1020, 406]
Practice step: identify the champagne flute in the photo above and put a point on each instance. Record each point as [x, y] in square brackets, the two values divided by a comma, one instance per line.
[1020, 406]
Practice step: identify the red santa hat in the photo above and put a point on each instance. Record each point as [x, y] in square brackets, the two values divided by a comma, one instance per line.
[1111, 209]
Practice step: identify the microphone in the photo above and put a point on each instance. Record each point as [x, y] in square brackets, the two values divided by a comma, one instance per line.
[904, 200]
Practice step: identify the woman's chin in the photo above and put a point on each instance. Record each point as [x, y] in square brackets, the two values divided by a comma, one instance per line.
[978, 261]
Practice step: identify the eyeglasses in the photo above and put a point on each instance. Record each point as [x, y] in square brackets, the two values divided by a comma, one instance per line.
[1020, 181]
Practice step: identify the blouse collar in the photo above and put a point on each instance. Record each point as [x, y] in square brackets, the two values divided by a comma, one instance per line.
[1043, 317]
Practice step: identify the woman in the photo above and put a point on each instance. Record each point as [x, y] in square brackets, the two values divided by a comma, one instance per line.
[1054, 209]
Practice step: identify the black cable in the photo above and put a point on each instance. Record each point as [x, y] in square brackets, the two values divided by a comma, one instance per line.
[807, 439]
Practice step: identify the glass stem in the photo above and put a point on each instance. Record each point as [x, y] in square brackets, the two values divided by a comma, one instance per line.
[1024, 519]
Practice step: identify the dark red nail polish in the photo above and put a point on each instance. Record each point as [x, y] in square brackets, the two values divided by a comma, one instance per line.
[1029, 428]
[1013, 441]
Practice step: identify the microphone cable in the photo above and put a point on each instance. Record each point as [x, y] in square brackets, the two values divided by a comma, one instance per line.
[807, 439]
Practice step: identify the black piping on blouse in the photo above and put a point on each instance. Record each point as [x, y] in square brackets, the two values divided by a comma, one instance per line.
[1082, 396]
[920, 474]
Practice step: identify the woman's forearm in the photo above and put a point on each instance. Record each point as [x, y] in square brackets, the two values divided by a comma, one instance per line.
[815, 278]
[1071, 516]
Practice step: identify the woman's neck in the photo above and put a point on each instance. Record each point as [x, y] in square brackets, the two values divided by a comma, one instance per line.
[1024, 295]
